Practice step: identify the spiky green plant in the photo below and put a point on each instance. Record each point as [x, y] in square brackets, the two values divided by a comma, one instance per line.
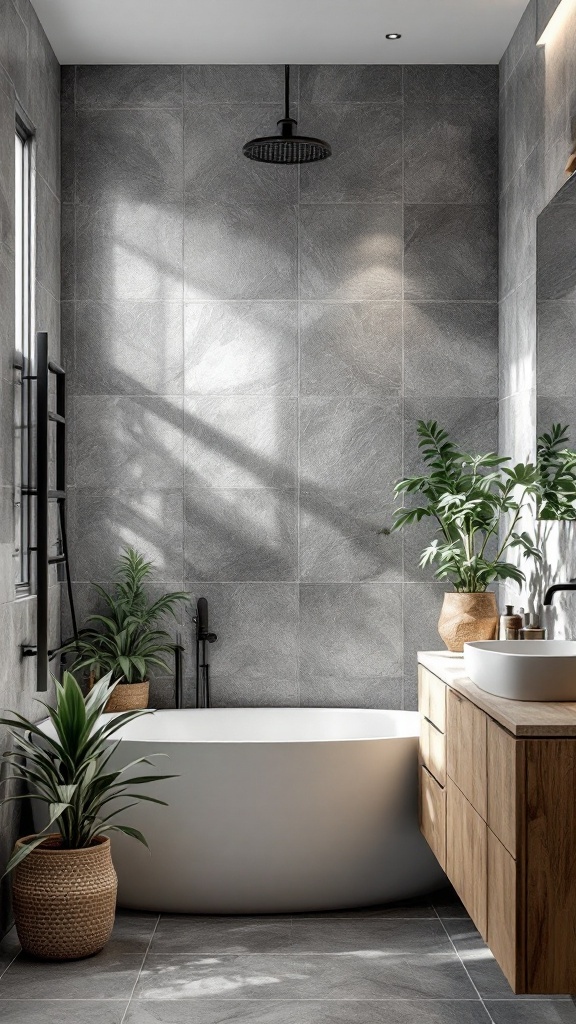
[126, 640]
[70, 770]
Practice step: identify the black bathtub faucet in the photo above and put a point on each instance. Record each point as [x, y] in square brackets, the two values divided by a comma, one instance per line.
[203, 636]
[549, 595]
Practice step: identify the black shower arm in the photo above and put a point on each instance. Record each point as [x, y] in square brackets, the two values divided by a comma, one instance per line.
[286, 91]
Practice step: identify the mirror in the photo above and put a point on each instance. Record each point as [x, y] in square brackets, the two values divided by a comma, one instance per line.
[556, 313]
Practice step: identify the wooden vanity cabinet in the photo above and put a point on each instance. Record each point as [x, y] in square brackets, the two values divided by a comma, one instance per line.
[498, 809]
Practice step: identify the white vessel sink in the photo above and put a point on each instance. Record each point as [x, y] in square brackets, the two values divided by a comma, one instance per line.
[524, 669]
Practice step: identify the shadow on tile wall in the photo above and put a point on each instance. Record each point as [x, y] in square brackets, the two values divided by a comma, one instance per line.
[241, 339]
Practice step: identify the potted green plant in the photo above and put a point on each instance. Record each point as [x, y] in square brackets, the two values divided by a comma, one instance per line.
[127, 640]
[64, 883]
[478, 503]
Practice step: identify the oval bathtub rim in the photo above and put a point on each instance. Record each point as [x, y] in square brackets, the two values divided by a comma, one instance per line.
[405, 715]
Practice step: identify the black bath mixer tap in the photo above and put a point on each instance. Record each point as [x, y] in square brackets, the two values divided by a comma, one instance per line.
[203, 636]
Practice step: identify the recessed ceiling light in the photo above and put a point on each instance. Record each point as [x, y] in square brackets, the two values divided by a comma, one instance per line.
[393, 35]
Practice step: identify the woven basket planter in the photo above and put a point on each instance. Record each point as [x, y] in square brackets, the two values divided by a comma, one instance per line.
[65, 900]
[127, 696]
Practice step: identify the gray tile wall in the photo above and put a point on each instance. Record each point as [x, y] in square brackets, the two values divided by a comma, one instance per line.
[537, 110]
[251, 347]
[29, 75]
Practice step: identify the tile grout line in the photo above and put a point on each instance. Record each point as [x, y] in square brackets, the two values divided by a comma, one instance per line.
[489, 1015]
[123, 1018]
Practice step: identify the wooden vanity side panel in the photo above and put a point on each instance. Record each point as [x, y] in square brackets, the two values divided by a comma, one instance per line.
[433, 815]
[506, 799]
[466, 753]
[466, 855]
[505, 912]
[551, 866]
[432, 698]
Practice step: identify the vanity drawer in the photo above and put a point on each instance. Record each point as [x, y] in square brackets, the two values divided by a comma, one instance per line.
[467, 855]
[505, 932]
[505, 786]
[432, 799]
[432, 698]
[433, 750]
[466, 746]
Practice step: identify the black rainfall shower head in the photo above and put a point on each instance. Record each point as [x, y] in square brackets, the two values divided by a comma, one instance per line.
[286, 148]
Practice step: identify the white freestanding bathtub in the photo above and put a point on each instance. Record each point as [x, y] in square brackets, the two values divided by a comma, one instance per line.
[275, 811]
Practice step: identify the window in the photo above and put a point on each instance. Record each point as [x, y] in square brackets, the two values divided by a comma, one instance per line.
[24, 353]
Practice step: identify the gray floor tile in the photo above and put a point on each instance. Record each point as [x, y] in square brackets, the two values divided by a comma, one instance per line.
[481, 965]
[540, 1011]
[413, 908]
[376, 937]
[222, 935]
[370, 974]
[101, 977]
[347, 1011]
[132, 933]
[62, 1011]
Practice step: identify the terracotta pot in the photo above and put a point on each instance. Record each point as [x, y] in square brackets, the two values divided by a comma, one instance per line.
[127, 696]
[467, 617]
[64, 900]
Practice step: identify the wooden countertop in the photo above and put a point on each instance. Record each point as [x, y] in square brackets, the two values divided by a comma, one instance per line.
[520, 717]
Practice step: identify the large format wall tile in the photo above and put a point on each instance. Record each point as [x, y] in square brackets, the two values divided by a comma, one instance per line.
[451, 252]
[350, 631]
[451, 348]
[127, 348]
[468, 84]
[355, 172]
[350, 348]
[108, 521]
[128, 85]
[340, 537]
[124, 155]
[517, 339]
[215, 168]
[132, 348]
[240, 252]
[338, 692]
[351, 251]
[240, 442]
[128, 442]
[431, 130]
[555, 361]
[129, 250]
[353, 444]
[237, 348]
[47, 237]
[240, 534]
[472, 422]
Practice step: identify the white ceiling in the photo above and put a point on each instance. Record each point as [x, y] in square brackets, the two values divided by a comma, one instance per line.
[279, 31]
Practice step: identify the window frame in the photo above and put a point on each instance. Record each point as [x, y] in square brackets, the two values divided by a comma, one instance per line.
[24, 352]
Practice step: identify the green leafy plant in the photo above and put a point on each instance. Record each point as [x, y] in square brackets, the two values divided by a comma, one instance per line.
[69, 769]
[557, 467]
[468, 496]
[127, 640]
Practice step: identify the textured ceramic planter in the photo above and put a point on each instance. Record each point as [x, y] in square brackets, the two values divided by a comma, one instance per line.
[467, 617]
[64, 900]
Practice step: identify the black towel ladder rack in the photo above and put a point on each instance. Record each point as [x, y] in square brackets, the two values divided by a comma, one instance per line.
[44, 495]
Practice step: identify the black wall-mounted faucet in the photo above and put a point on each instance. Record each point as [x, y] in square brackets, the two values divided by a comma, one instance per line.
[549, 595]
[203, 636]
